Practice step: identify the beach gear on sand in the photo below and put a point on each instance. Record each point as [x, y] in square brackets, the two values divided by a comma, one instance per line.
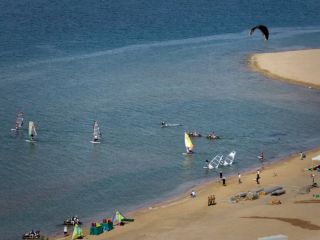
[119, 219]
[77, 232]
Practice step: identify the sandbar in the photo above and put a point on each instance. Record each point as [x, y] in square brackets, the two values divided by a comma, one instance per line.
[299, 67]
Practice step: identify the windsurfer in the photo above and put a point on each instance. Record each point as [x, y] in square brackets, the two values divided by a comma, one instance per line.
[189, 151]
[207, 163]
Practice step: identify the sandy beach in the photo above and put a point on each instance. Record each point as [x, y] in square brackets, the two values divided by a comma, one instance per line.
[192, 218]
[299, 67]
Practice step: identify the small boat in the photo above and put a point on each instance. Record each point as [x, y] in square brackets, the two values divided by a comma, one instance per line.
[31, 235]
[32, 132]
[188, 143]
[96, 133]
[19, 122]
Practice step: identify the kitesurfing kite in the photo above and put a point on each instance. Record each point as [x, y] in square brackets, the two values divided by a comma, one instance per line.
[263, 29]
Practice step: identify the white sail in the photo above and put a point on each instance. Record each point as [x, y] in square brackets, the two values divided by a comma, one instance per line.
[32, 131]
[96, 132]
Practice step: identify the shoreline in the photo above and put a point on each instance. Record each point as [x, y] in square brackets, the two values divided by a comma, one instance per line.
[249, 219]
[202, 189]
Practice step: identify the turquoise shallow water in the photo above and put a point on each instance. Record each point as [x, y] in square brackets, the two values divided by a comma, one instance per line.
[130, 75]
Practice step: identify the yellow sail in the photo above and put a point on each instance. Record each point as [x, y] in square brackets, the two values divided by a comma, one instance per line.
[187, 142]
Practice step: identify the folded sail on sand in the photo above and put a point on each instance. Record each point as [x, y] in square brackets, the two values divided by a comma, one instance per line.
[188, 143]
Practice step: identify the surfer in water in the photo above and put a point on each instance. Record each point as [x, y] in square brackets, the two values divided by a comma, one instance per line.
[163, 124]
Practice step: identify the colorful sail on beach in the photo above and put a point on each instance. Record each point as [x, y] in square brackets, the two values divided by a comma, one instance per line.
[117, 218]
[188, 143]
[19, 120]
[32, 130]
[77, 232]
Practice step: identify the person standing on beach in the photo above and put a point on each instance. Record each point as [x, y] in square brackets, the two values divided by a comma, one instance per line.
[220, 175]
[224, 181]
[258, 176]
[312, 176]
[193, 194]
[65, 230]
[239, 178]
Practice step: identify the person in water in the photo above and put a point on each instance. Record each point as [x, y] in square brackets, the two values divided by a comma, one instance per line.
[163, 124]
[207, 163]
[189, 151]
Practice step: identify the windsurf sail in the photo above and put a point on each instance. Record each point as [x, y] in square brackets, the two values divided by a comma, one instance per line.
[96, 132]
[77, 232]
[19, 120]
[216, 161]
[188, 143]
[229, 159]
[32, 130]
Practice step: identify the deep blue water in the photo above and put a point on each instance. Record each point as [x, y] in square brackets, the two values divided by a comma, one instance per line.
[130, 65]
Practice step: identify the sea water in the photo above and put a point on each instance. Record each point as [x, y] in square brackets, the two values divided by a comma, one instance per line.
[130, 65]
